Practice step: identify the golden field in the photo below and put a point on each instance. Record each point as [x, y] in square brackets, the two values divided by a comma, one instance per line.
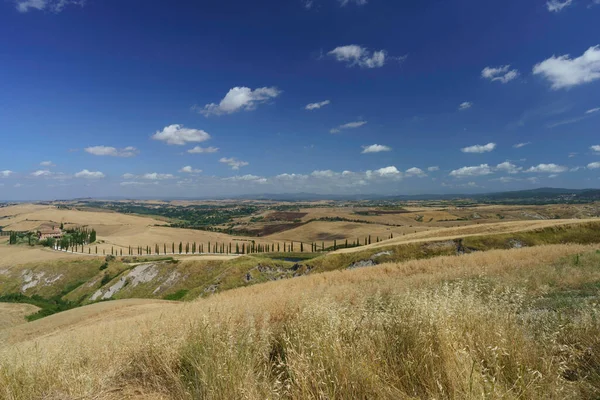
[503, 324]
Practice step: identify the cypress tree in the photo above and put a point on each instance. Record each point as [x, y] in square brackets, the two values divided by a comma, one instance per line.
[180, 247]
[335, 245]
[301, 248]
[346, 246]
[165, 248]
[369, 239]
[173, 247]
[237, 248]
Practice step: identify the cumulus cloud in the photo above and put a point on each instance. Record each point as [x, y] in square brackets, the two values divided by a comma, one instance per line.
[179, 135]
[595, 148]
[47, 164]
[323, 174]
[414, 171]
[479, 148]
[387, 172]
[375, 148]
[247, 178]
[291, 177]
[316, 106]
[435, 168]
[350, 125]
[234, 163]
[203, 150]
[508, 167]
[519, 145]
[238, 99]
[48, 5]
[547, 169]
[357, 56]
[479, 170]
[558, 5]
[154, 176]
[41, 173]
[594, 165]
[86, 174]
[112, 151]
[563, 72]
[6, 173]
[189, 170]
[502, 74]
[465, 106]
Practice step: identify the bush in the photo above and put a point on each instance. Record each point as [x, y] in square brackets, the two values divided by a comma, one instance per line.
[110, 258]
[103, 266]
[105, 279]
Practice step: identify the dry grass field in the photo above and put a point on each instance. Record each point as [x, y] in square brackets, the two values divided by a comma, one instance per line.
[14, 314]
[503, 324]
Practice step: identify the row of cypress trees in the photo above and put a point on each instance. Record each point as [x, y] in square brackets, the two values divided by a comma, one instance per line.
[222, 248]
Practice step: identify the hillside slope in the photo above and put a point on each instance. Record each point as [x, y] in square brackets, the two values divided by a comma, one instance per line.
[499, 324]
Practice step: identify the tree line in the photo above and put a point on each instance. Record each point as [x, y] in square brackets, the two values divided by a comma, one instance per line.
[220, 247]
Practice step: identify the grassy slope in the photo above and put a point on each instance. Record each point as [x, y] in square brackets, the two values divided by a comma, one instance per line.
[80, 279]
[510, 324]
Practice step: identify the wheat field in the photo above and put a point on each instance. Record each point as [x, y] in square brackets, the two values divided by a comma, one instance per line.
[457, 327]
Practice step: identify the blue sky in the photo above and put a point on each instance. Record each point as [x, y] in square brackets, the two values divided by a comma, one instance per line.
[194, 99]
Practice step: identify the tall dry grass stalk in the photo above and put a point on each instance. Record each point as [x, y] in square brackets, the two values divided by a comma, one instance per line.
[466, 327]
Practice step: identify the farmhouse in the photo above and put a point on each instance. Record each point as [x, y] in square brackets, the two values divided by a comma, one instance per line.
[49, 232]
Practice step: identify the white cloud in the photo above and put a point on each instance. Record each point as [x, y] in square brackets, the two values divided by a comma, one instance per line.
[238, 99]
[247, 178]
[112, 151]
[519, 145]
[89, 174]
[508, 167]
[189, 170]
[593, 110]
[503, 74]
[154, 176]
[558, 5]
[344, 3]
[480, 170]
[433, 169]
[350, 125]
[234, 163]
[375, 148]
[316, 106]
[49, 5]
[6, 173]
[595, 148]
[547, 169]
[203, 150]
[41, 172]
[414, 171]
[465, 106]
[323, 174]
[594, 165]
[47, 164]
[179, 135]
[388, 172]
[291, 177]
[479, 148]
[128, 176]
[354, 55]
[564, 72]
